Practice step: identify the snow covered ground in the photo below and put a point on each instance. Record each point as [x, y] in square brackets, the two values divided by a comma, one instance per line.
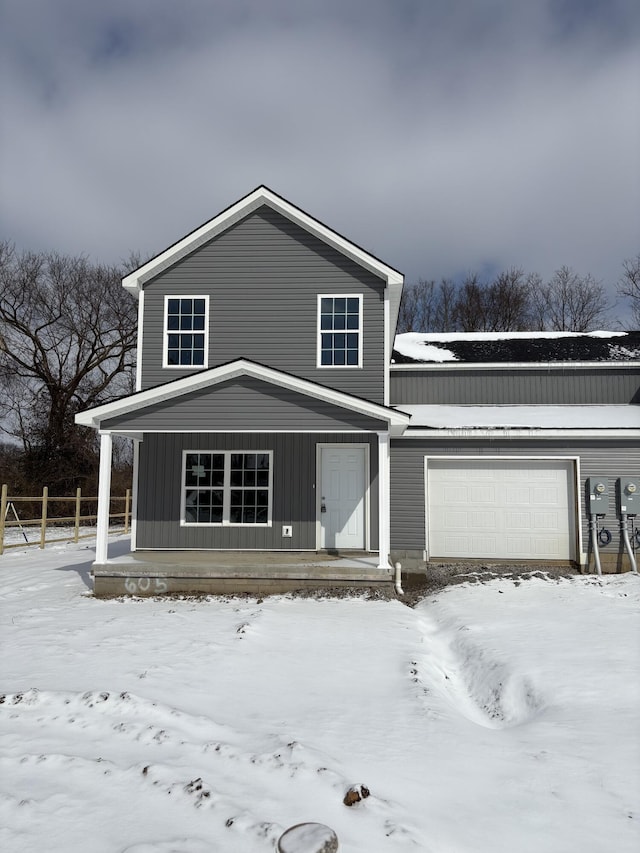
[492, 718]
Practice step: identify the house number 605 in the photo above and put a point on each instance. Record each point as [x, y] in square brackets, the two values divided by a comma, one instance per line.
[144, 585]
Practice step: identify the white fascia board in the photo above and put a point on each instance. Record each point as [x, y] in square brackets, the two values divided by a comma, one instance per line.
[522, 433]
[398, 421]
[262, 195]
[516, 365]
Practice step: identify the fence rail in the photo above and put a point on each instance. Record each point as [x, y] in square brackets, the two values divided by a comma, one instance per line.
[10, 516]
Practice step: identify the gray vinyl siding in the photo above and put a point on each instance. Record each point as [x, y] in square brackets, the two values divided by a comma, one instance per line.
[241, 404]
[612, 458]
[511, 386]
[293, 496]
[263, 276]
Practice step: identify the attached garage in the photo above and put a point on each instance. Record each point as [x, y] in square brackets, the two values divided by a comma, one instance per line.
[500, 509]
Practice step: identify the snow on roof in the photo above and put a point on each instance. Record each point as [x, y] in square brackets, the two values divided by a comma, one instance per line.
[516, 347]
[523, 417]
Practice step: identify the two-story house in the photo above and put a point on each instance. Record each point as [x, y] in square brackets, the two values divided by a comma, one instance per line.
[261, 420]
[272, 418]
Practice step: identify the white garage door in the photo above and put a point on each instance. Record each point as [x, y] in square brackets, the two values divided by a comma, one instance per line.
[503, 509]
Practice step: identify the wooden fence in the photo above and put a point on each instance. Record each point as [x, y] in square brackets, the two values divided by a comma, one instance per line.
[10, 517]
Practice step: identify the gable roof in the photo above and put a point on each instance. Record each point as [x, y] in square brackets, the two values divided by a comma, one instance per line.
[262, 195]
[397, 421]
[502, 348]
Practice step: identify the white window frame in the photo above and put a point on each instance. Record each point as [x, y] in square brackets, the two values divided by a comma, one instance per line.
[360, 331]
[226, 489]
[166, 332]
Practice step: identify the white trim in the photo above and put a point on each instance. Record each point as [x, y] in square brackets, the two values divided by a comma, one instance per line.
[262, 195]
[575, 460]
[319, 331]
[134, 493]
[397, 421]
[166, 332]
[542, 433]
[104, 496]
[139, 342]
[320, 446]
[226, 489]
[516, 365]
[386, 313]
[384, 501]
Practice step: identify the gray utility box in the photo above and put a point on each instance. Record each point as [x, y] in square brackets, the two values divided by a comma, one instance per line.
[596, 493]
[628, 495]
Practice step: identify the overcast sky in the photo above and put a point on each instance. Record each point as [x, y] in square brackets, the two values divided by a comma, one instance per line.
[441, 135]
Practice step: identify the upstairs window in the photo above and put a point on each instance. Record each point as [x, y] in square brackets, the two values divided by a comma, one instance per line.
[186, 331]
[227, 488]
[339, 331]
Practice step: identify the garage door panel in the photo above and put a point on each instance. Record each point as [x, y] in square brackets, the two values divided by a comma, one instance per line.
[500, 509]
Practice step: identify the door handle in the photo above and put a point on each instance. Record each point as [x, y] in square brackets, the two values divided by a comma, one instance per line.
[323, 507]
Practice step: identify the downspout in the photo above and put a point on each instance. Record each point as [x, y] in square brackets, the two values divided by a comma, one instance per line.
[397, 582]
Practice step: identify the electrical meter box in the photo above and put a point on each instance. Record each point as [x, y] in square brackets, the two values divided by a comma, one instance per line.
[596, 492]
[628, 495]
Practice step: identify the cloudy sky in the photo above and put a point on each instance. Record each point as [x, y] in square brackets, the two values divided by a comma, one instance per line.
[442, 135]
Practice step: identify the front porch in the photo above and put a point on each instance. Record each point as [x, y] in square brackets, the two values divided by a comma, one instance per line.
[148, 573]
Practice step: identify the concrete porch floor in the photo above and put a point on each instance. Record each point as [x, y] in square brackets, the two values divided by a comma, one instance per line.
[228, 572]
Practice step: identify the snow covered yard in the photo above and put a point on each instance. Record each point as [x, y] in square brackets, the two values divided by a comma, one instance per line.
[492, 718]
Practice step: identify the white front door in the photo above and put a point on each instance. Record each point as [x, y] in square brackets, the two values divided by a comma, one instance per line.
[342, 497]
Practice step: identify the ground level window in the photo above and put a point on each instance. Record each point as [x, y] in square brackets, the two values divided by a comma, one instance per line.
[227, 488]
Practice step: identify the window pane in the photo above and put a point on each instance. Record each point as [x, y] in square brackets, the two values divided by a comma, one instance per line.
[339, 357]
[198, 306]
[198, 322]
[326, 305]
[353, 306]
[204, 496]
[339, 305]
[186, 306]
[353, 321]
[339, 321]
[185, 323]
[352, 357]
[173, 306]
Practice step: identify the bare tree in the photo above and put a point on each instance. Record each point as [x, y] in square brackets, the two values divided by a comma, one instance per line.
[629, 287]
[67, 342]
[569, 302]
[502, 305]
[417, 306]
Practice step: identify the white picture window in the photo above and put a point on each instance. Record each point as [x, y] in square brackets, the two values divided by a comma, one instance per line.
[227, 487]
[186, 331]
[340, 330]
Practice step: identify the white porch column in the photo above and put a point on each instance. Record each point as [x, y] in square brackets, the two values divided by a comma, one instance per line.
[384, 503]
[134, 493]
[104, 496]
